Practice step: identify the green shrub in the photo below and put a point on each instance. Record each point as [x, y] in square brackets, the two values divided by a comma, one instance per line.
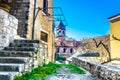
[89, 55]
[37, 51]
[59, 57]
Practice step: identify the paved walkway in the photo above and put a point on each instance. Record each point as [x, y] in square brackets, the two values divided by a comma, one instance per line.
[65, 74]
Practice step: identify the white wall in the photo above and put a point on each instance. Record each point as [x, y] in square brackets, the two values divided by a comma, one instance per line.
[8, 28]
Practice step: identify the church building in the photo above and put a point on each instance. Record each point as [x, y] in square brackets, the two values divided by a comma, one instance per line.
[64, 46]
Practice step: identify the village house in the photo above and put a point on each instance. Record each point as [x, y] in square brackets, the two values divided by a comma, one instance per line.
[115, 36]
[33, 22]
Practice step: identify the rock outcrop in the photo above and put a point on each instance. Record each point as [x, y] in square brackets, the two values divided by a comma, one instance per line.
[89, 46]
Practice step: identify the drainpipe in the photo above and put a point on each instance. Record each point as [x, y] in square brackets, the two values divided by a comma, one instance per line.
[34, 12]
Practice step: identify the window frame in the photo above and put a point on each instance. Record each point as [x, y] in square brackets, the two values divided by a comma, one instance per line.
[44, 38]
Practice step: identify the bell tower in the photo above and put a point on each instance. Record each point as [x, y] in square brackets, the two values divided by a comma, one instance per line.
[60, 34]
[60, 30]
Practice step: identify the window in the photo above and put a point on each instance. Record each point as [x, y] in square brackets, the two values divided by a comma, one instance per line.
[45, 6]
[71, 50]
[64, 50]
[44, 36]
[59, 33]
[61, 43]
[63, 33]
[57, 49]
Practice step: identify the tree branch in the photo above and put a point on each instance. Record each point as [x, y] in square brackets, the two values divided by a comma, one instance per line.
[105, 46]
[97, 45]
[107, 49]
[115, 38]
[118, 59]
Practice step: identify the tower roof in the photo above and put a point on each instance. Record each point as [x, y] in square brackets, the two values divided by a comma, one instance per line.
[61, 26]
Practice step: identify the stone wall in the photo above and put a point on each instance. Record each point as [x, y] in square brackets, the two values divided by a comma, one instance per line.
[104, 72]
[42, 24]
[20, 9]
[8, 28]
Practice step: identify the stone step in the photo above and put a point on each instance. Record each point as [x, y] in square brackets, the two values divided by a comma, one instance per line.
[15, 53]
[9, 66]
[7, 75]
[22, 45]
[26, 41]
[19, 48]
[17, 60]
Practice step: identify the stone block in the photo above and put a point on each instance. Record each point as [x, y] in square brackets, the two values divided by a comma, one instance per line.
[6, 22]
[15, 20]
[2, 12]
[26, 41]
[4, 77]
[1, 41]
[19, 48]
[14, 31]
[118, 75]
[16, 54]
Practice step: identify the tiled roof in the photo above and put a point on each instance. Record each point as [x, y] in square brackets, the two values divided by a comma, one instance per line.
[114, 16]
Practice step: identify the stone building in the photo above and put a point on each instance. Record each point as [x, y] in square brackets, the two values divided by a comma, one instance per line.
[24, 11]
[64, 46]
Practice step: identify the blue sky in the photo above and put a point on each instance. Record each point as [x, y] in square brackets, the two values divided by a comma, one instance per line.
[88, 18]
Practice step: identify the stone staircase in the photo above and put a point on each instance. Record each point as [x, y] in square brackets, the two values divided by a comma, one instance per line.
[18, 57]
